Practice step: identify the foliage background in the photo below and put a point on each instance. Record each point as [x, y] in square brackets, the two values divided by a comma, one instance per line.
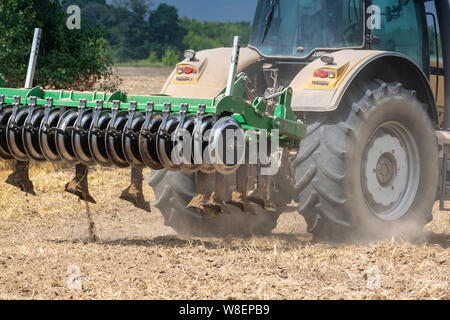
[64, 55]
[138, 31]
[127, 32]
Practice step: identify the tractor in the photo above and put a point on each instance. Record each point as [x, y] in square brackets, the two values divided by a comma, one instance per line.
[350, 105]
[373, 161]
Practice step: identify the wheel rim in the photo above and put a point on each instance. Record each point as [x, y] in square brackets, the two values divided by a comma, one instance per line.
[390, 171]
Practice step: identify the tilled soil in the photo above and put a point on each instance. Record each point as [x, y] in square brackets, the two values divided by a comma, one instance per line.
[45, 252]
[142, 80]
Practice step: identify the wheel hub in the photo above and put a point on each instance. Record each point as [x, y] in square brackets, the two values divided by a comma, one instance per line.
[390, 171]
[386, 169]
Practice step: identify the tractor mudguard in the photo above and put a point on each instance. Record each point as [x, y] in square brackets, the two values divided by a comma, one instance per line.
[319, 92]
[208, 74]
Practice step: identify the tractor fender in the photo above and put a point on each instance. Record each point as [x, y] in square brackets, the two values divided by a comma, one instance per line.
[210, 72]
[315, 94]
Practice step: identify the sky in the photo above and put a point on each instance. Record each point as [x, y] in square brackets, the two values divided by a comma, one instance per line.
[222, 10]
[214, 10]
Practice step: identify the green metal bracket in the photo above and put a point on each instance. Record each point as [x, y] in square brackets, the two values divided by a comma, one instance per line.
[238, 88]
[284, 110]
[118, 95]
[37, 92]
[260, 105]
[254, 115]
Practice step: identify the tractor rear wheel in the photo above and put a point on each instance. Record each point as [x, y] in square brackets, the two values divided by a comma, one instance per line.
[369, 169]
[175, 189]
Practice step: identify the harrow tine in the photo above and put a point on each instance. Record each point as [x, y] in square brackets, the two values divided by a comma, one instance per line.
[204, 187]
[239, 196]
[20, 177]
[261, 195]
[79, 184]
[218, 198]
[133, 193]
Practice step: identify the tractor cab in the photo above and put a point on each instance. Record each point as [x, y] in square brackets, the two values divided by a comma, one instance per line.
[301, 29]
[296, 29]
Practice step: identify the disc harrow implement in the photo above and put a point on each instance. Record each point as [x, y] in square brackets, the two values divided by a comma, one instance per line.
[116, 129]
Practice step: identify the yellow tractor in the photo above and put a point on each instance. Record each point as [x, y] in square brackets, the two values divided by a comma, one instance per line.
[374, 159]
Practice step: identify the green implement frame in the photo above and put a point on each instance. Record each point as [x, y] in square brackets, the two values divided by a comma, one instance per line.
[251, 116]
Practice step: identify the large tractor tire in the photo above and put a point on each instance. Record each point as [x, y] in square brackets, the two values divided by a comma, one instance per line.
[173, 192]
[370, 169]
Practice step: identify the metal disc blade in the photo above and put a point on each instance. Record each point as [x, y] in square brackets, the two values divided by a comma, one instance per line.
[63, 138]
[5, 114]
[31, 138]
[114, 141]
[14, 135]
[130, 144]
[147, 146]
[80, 140]
[47, 141]
[97, 141]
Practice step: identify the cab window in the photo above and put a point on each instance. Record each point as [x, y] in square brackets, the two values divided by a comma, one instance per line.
[401, 28]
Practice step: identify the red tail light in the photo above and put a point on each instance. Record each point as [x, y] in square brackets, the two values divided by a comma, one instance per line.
[323, 73]
[188, 70]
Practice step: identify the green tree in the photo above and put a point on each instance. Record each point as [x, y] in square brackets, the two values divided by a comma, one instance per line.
[124, 23]
[207, 35]
[65, 56]
[152, 57]
[170, 57]
[165, 29]
[134, 30]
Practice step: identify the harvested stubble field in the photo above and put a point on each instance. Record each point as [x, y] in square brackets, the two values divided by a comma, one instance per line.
[43, 244]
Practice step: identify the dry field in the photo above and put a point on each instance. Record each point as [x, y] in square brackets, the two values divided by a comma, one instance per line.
[43, 245]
